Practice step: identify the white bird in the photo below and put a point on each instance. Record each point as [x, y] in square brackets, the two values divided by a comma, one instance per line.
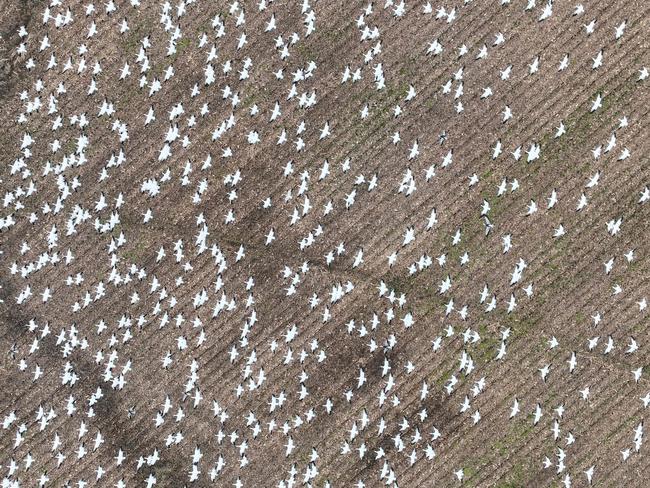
[414, 151]
[543, 371]
[614, 226]
[596, 103]
[597, 60]
[547, 11]
[572, 362]
[537, 414]
[514, 410]
[432, 220]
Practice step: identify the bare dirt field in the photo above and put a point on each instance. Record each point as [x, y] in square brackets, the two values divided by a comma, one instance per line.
[324, 243]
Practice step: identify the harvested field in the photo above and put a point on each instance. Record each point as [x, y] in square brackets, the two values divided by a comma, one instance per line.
[326, 244]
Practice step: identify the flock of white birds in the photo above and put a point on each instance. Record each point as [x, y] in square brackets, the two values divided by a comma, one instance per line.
[312, 243]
